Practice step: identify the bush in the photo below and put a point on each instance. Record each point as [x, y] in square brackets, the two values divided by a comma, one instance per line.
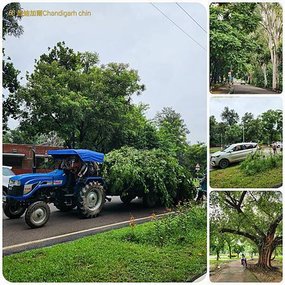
[178, 228]
[129, 171]
[259, 163]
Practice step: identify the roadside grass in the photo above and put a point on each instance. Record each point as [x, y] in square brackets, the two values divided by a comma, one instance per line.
[216, 264]
[220, 89]
[214, 149]
[233, 177]
[171, 249]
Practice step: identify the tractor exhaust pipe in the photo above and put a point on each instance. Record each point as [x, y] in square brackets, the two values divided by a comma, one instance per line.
[34, 166]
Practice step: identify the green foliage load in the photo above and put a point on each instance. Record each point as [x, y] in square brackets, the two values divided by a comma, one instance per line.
[259, 163]
[130, 171]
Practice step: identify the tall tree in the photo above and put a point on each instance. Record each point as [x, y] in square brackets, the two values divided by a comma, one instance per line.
[230, 117]
[256, 216]
[86, 106]
[10, 27]
[271, 14]
[172, 131]
[231, 25]
[272, 122]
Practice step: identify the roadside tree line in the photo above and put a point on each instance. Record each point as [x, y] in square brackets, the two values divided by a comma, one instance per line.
[264, 129]
[246, 40]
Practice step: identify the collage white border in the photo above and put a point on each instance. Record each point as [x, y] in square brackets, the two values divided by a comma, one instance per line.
[206, 4]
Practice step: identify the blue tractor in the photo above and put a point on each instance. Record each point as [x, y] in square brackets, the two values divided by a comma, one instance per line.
[75, 183]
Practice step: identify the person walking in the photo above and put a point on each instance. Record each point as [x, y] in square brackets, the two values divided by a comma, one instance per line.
[243, 260]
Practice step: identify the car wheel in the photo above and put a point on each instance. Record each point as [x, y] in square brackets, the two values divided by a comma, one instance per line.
[91, 199]
[13, 210]
[37, 214]
[224, 163]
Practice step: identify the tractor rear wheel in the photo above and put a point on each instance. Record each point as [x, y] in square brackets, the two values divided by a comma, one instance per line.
[91, 199]
[37, 214]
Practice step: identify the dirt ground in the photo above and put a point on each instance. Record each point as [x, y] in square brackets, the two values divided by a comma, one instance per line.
[266, 276]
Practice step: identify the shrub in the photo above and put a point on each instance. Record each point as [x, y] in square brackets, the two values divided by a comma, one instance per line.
[129, 171]
[260, 162]
[178, 228]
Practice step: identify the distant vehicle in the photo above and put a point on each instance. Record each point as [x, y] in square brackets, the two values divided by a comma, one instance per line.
[234, 153]
[242, 82]
[7, 173]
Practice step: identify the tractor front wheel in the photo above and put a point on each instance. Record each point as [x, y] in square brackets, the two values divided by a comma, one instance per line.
[37, 214]
[91, 199]
[13, 210]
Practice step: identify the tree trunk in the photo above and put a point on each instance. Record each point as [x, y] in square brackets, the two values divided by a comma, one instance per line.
[230, 251]
[218, 254]
[274, 69]
[265, 252]
[264, 70]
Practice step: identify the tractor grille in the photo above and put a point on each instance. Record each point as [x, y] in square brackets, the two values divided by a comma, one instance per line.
[16, 191]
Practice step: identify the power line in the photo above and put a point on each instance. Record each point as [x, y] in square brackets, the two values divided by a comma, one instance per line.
[190, 16]
[177, 26]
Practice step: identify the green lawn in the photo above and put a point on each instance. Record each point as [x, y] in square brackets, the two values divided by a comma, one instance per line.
[232, 177]
[156, 251]
[215, 264]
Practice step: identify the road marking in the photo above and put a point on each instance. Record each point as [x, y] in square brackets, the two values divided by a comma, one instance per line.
[82, 231]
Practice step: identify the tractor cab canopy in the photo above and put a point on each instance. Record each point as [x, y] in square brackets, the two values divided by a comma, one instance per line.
[84, 154]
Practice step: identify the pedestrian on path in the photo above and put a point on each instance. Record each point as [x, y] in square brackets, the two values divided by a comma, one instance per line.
[243, 261]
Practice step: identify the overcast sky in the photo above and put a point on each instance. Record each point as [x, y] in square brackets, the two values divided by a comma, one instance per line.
[255, 105]
[170, 64]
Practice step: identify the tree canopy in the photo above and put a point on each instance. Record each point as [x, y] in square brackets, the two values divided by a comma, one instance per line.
[246, 41]
[265, 128]
[254, 216]
[10, 27]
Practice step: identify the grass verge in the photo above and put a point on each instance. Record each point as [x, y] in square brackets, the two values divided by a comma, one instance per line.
[172, 249]
[233, 177]
[217, 264]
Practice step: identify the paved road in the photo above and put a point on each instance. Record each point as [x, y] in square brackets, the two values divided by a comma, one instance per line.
[248, 89]
[61, 227]
[234, 272]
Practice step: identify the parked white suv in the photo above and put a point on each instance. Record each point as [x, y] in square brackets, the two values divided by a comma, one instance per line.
[234, 153]
[7, 173]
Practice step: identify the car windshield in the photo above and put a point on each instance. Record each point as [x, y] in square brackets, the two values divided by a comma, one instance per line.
[228, 148]
[7, 171]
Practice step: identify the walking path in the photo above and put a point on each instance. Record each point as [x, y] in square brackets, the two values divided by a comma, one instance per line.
[234, 272]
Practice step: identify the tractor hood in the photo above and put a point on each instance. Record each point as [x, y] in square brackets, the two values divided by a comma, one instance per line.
[55, 177]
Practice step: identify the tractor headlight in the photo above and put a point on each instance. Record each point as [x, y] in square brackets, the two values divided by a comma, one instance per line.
[28, 188]
[14, 183]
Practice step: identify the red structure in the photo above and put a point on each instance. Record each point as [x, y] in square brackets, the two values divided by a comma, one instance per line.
[20, 156]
